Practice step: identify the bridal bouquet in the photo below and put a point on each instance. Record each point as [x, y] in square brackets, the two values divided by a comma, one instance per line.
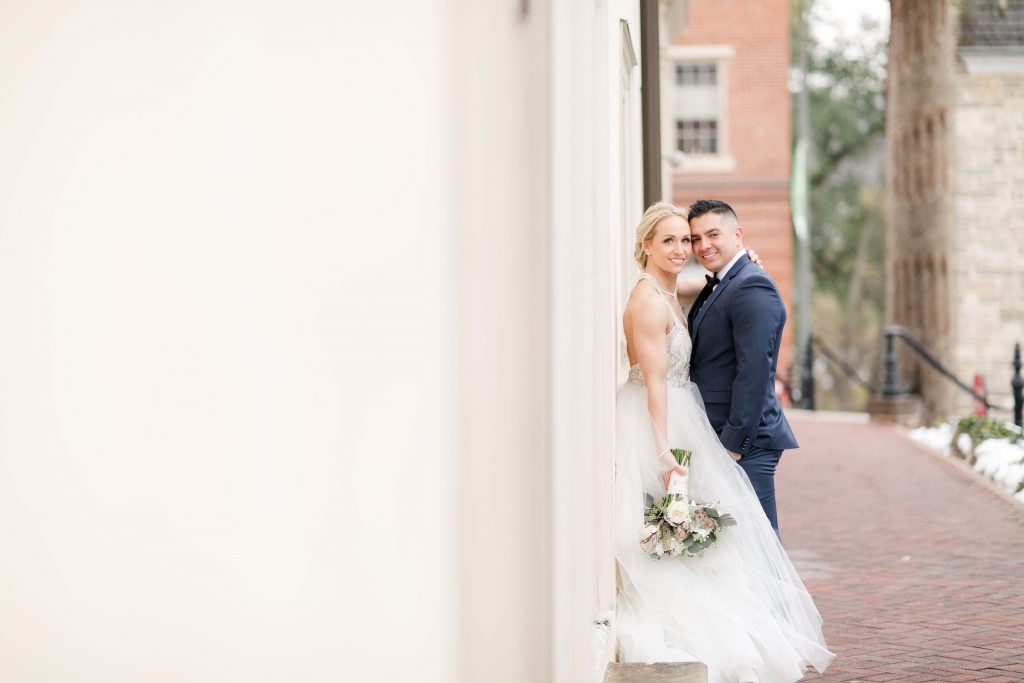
[678, 525]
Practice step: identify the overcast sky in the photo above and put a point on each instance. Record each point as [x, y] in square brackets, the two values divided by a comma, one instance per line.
[843, 17]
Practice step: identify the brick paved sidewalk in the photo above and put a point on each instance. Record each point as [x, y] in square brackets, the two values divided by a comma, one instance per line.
[917, 569]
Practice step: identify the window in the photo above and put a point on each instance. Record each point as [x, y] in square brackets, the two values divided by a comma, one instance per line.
[698, 109]
[695, 121]
[697, 137]
[697, 74]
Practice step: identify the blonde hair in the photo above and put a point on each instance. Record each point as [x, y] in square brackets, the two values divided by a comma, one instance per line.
[654, 214]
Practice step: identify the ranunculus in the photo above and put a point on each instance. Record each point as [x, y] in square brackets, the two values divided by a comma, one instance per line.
[678, 512]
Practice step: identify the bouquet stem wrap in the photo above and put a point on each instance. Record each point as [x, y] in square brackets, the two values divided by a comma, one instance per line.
[679, 484]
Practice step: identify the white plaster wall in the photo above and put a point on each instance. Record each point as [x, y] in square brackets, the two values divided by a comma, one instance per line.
[547, 329]
[504, 471]
[226, 290]
[264, 267]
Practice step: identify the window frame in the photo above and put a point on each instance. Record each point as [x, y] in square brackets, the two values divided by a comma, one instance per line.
[721, 56]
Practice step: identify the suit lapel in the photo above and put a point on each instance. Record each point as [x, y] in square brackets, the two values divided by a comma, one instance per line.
[698, 302]
[742, 263]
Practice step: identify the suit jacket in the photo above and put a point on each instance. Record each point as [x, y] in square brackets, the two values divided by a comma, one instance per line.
[736, 336]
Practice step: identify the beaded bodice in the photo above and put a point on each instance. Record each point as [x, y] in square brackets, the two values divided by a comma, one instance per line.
[677, 342]
[679, 346]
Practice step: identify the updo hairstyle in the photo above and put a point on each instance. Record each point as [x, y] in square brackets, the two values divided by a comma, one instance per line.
[649, 223]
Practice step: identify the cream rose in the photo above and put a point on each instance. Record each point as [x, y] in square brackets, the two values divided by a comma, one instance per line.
[678, 512]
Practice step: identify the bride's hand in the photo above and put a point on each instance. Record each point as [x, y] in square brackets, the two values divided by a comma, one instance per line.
[666, 476]
[755, 258]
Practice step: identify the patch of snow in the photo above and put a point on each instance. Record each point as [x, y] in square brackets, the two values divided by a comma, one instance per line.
[1000, 461]
[936, 438]
[996, 459]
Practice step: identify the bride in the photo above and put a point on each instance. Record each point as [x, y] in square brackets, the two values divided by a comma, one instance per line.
[740, 608]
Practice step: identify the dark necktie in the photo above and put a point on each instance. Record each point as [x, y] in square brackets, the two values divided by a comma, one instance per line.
[712, 280]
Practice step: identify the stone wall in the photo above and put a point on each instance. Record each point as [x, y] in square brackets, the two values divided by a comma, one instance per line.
[956, 191]
[988, 276]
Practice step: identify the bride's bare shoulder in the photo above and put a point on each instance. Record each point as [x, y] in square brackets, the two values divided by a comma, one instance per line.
[645, 307]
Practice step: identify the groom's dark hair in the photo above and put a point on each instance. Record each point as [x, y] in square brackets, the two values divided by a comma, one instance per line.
[703, 206]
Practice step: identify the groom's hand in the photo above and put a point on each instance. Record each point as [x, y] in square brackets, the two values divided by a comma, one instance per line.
[755, 258]
[735, 455]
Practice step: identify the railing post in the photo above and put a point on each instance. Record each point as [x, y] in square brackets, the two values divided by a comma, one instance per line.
[807, 376]
[1018, 388]
[892, 377]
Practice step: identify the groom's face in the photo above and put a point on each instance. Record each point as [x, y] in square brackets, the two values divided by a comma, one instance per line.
[716, 239]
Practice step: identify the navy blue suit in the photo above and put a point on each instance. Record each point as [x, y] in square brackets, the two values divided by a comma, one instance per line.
[736, 332]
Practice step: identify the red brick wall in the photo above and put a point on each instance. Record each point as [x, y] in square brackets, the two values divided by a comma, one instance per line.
[759, 99]
[758, 120]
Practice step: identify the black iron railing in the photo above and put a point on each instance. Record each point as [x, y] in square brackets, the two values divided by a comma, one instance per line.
[891, 376]
[807, 376]
[806, 395]
[1017, 384]
[892, 383]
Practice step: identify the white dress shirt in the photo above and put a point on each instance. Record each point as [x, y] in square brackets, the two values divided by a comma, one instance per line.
[737, 257]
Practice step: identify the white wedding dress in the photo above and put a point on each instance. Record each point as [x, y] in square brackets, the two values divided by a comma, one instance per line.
[740, 608]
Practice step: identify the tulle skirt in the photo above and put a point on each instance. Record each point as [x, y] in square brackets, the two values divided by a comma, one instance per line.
[740, 608]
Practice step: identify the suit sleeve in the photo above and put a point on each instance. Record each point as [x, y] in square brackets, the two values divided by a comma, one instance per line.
[756, 313]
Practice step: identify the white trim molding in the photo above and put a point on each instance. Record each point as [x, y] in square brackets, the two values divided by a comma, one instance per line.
[703, 163]
[1006, 61]
[694, 52]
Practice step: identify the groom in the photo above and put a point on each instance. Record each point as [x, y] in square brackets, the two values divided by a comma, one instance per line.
[736, 327]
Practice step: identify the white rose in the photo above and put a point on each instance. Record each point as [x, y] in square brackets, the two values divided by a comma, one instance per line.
[678, 512]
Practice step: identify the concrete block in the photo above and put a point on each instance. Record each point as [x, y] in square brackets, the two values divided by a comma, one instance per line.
[675, 672]
[902, 410]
